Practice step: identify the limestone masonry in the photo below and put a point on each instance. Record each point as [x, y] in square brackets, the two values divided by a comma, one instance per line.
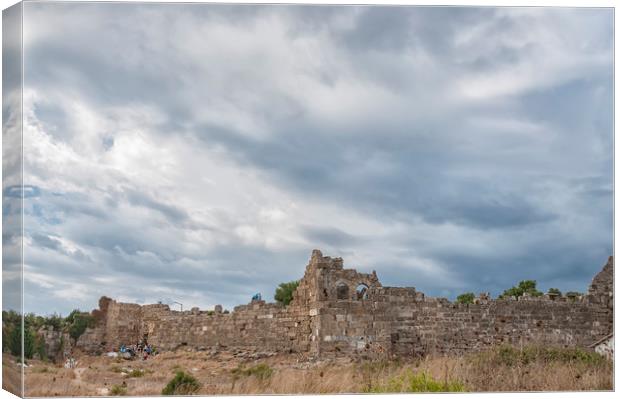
[331, 316]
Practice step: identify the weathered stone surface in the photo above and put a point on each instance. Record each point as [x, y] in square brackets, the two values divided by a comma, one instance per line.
[340, 312]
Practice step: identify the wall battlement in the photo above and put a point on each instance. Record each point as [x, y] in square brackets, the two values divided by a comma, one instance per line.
[341, 312]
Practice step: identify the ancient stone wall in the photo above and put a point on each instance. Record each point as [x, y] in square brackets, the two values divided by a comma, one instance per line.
[340, 312]
[403, 322]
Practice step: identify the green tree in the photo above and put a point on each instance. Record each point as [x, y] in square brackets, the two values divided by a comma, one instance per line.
[467, 297]
[555, 291]
[29, 343]
[11, 317]
[284, 292]
[15, 340]
[11, 321]
[39, 347]
[77, 323]
[71, 317]
[525, 286]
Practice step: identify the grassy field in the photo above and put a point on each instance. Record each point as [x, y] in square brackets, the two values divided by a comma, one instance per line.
[502, 369]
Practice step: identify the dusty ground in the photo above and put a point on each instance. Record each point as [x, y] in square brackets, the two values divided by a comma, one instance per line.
[11, 375]
[289, 374]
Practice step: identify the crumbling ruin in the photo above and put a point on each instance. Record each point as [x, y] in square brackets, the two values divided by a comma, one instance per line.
[340, 312]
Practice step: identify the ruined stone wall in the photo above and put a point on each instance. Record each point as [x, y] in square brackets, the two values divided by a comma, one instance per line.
[392, 321]
[340, 312]
[123, 323]
[257, 326]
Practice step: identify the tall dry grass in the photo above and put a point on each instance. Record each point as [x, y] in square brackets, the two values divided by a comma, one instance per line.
[11, 375]
[501, 369]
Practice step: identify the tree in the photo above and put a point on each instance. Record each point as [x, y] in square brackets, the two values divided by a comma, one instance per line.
[78, 322]
[71, 317]
[554, 291]
[525, 286]
[29, 343]
[15, 340]
[467, 297]
[284, 292]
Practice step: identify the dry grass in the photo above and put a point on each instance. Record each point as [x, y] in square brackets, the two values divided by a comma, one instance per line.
[504, 369]
[11, 375]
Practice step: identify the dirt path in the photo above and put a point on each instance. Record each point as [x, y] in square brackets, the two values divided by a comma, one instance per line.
[78, 381]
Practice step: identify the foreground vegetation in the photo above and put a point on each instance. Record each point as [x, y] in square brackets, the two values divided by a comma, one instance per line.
[188, 373]
[74, 325]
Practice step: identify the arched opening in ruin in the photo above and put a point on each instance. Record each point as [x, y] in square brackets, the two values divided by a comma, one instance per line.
[362, 291]
[342, 291]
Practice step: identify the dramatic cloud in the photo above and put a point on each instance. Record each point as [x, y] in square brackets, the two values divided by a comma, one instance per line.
[198, 153]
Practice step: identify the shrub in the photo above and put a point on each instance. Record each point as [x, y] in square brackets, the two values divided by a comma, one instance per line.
[525, 286]
[116, 369]
[182, 384]
[467, 297]
[118, 390]
[260, 371]
[417, 382]
[284, 292]
[555, 291]
[136, 373]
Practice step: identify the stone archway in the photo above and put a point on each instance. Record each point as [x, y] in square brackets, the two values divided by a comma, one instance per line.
[361, 291]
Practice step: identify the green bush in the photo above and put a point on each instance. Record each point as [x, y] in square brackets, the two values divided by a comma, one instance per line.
[182, 384]
[284, 292]
[260, 371]
[417, 382]
[555, 291]
[136, 374]
[118, 390]
[466, 298]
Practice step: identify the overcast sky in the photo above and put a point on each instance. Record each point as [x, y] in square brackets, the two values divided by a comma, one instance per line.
[199, 153]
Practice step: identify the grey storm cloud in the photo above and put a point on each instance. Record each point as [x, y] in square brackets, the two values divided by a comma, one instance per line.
[200, 152]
